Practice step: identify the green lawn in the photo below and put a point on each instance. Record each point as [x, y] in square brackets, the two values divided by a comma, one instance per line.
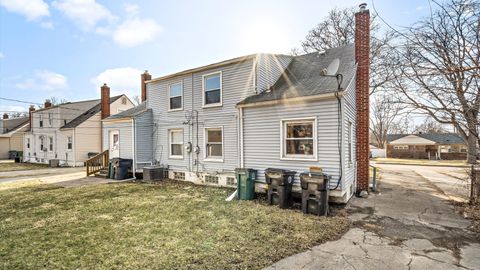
[162, 226]
[11, 166]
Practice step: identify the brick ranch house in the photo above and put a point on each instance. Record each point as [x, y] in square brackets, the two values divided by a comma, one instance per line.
[447, 146]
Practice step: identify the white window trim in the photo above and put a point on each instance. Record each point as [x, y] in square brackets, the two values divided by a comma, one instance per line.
[70, 150]
[220, 104]
[170, 143]
[205, 158]
[169, 97]
[50, 137]
[283, 156]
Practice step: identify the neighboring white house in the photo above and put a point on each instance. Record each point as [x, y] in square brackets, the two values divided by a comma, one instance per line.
[11, 134]
[69, 132]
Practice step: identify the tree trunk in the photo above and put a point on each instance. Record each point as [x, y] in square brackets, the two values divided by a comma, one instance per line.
[472, 149]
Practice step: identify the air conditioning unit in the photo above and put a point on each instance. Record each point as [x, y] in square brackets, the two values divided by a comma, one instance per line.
[152, 173]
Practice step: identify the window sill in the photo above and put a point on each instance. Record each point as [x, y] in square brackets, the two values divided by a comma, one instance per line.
[213, 105]
[175, 110]
[299, 158]
[175, 157]
[213, 160]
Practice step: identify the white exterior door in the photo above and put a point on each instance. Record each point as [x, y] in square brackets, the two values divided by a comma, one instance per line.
[114, 144]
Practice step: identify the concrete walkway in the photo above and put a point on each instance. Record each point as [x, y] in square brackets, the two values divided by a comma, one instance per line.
[65, 177]
[408, 225]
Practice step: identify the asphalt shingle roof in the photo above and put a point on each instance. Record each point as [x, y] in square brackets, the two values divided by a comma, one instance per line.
[130, 112]
[302, 76]
[440, 138]
[89, 113]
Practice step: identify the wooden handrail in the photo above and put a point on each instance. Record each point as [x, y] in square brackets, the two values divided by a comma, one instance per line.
[97, 163]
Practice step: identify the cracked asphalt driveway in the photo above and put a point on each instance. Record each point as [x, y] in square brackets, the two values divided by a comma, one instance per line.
[409, 224]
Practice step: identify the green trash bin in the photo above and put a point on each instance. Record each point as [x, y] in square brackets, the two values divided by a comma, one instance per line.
[245, 183]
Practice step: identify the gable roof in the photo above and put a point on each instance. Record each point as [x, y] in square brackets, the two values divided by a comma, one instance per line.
[9, 125]
[130, 113]
[20, 124]
[302, 77]
[440, 138]
[89, 113]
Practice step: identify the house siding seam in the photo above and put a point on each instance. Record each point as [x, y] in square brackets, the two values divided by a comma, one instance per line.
[237, 84]
[269, 68]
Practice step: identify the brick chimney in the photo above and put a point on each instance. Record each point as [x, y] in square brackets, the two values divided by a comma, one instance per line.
[5, 116]
[105, 101]
[362, 57]
[47, 103]
[30, 112]
[145, 77]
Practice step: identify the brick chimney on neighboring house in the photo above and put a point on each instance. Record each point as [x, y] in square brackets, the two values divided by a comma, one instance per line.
[145, 77]
[5, 116]
[362, 57]
[47, 103]
[105, 100]
[30, 112]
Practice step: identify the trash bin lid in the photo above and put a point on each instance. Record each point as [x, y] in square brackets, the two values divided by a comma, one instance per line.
[282, 171]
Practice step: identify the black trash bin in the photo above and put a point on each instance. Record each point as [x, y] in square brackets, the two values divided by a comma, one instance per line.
[12, 154]
[280, 184]
[121, 167]
[315, 192]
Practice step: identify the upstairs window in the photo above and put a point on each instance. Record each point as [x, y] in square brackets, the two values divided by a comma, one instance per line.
[176, 143]
[212, 88]
[176, 99]
[50, 119]
[69, 143]
[28, 143]
[214, 143]
[40, 123]
[124, 100]
[299, 139]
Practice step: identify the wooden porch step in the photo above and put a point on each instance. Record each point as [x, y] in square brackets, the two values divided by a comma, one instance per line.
[102, 173]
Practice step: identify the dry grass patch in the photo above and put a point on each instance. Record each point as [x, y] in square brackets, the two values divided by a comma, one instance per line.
[11, 166]
[161, 226]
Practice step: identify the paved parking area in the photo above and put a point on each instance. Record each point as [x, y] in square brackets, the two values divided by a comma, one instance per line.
[409, 224]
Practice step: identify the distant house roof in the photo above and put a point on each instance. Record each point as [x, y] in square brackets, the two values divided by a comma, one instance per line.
[440, 138]
[302, 77]
[130, 113]
[9, 125]
[89, 113]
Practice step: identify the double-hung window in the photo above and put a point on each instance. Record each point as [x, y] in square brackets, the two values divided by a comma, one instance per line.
[214, 144]
[212, 89]
[40, 123]
[176, 96]
[299, 139]
[69, 143]
[50, 119]
[50, 144]
[41, 143]
[176, 143]
[28, 143]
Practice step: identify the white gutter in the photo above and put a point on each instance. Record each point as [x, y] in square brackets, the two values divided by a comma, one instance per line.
[134, 167]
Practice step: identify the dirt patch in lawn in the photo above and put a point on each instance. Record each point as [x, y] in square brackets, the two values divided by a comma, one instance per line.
[162, 226]
[470, 211]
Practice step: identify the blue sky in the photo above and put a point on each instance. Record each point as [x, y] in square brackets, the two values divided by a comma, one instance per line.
[67, 48]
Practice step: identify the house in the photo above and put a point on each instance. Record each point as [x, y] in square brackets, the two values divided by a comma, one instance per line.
[69, 132]
[448, 146]
[259, 111]
[11, 134]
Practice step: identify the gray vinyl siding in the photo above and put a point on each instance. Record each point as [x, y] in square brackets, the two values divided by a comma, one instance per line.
[269, 68]
[125, 134]
[143, 139]
[262, 131]
[237, 84]
[349, 115]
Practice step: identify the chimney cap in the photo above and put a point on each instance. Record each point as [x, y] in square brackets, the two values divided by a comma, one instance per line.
[363, 6]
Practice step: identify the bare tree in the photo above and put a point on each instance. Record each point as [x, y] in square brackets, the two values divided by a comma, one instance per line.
[386, 117]
[57, 101]
[338, 29]
[437, 68]
[136, 100]
[429, 125]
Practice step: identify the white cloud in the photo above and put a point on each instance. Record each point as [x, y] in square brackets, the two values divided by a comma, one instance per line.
[131, 9]
[47, 25]
[125, 80]
[86, 14]
[11, 108]
[31, 9]
[134, 32]
[2, 55]
[44, 80]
